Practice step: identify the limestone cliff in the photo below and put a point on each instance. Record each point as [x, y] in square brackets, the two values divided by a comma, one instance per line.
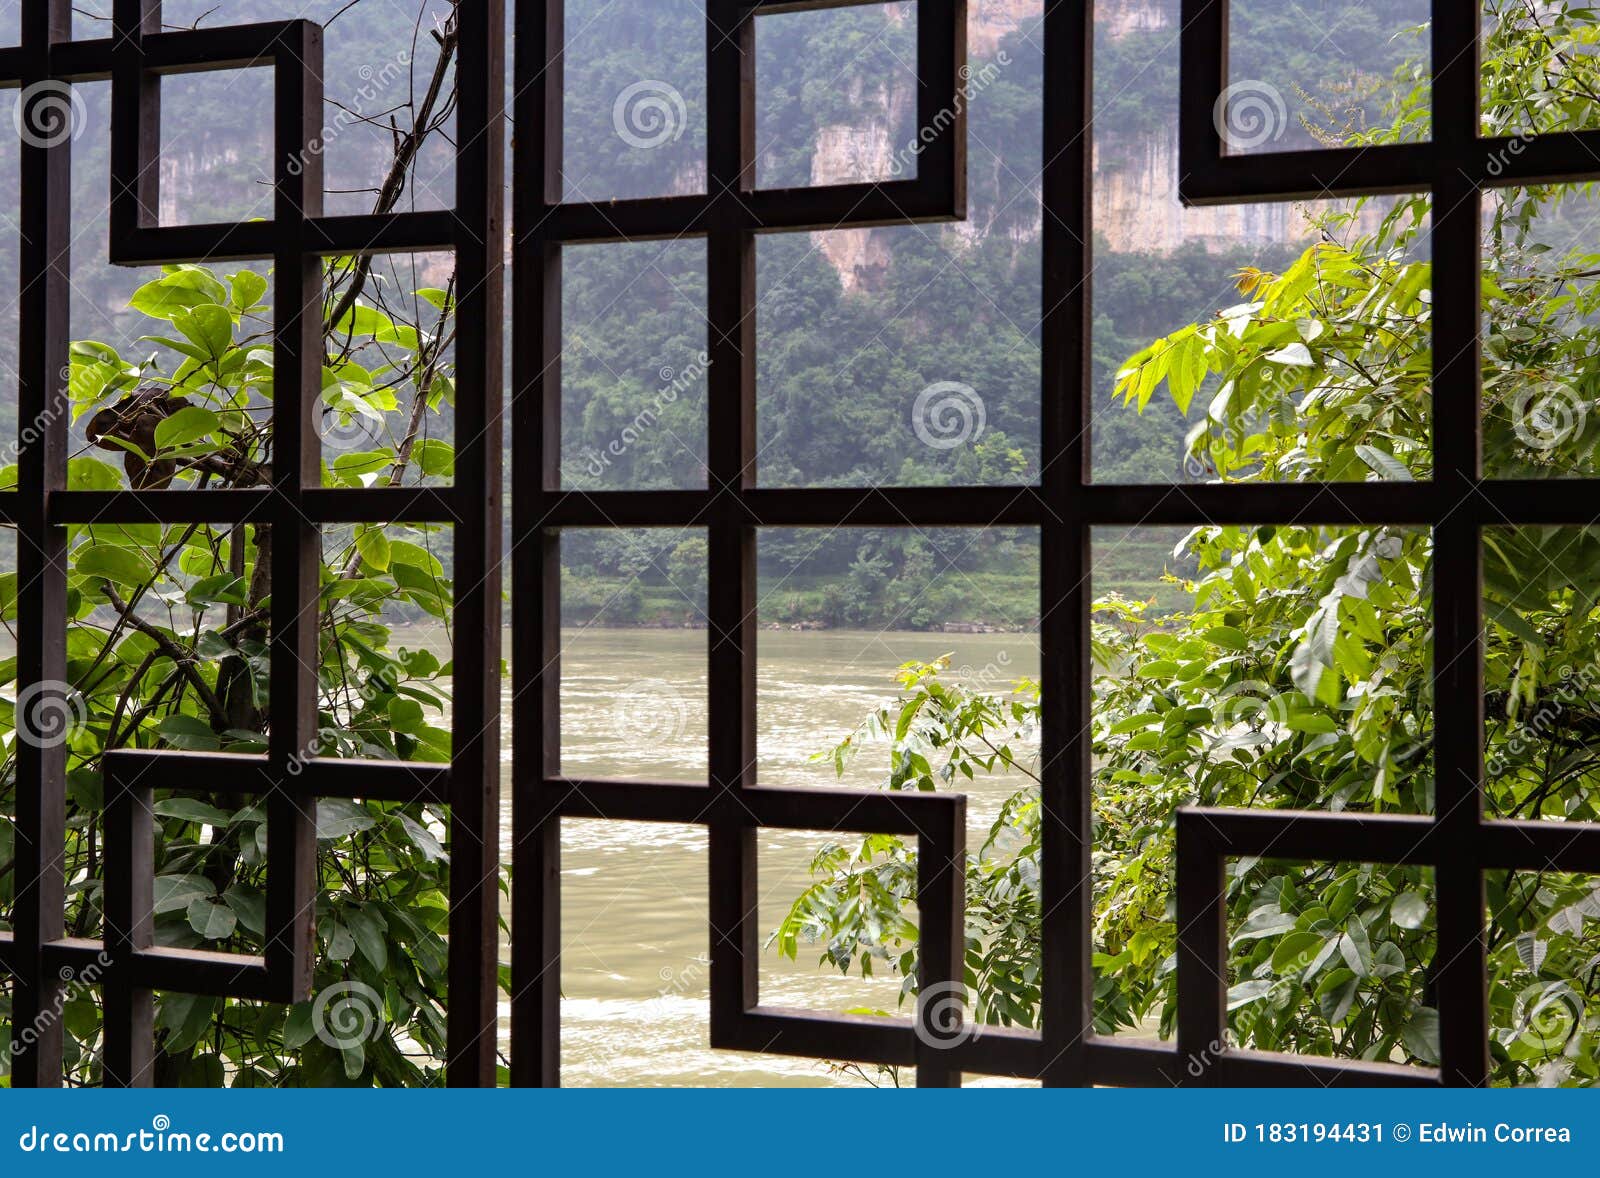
[1135, 203]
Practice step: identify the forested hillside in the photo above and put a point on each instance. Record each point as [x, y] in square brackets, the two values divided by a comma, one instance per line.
[854, 327]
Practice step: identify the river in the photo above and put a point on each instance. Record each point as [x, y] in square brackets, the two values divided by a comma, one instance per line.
[634, 895]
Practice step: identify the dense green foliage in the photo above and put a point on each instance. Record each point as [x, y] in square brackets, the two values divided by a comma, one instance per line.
[1299, 676]
[1319, 371]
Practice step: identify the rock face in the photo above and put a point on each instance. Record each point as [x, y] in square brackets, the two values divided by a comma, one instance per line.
[1136, 207]
[861, 256]
[990, 20]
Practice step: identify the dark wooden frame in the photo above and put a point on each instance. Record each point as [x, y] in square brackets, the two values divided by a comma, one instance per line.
[295, 239]
[1455, 166]
[730, 509]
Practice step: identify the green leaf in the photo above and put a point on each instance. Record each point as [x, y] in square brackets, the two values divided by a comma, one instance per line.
[1384, 463]
[90, 474]
[248, 287]
[338, 818]
[1227, 637]
[1296, 355]
[112, 562]
[189, 733]
[1421, 1035]
[405, 715]
[1336, 994]
[177, 292]
[207, 326]
[174, 893]
[373, 545]
[186, 425]
[437, 459]
[1409, 910]
[422, 838]
[214, 922]
[299, 1028]
[407, 553]
[191, 810]
[370, 930]
[1295, 952]
[250, 906]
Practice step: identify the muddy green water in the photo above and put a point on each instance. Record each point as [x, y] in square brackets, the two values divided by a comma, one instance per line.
[634, 895]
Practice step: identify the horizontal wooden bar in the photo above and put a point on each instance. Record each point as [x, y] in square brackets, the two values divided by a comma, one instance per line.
[891, 1042]
[649, 219]
[1540, 846]
[187, 971]
[1487, 502]
[634, 801]
[1309, 834]
[1490, 503]
[240, 774]
[1330, 504]
[371, 780]
[383, 233]
[322, 505]
[1141, 1064]
[1321, 174]
[1335, 173]
[1132, 1064]
[221, 47]
[382, 505]
[912, 813]
[1260, 503]
[784, 808]
[1507, 503]
[79, 956]
[325, 236]
[12, 59]
[250, 774]
[230, 505]
[850, 206]
[198, 971]
[775, 7]
[856, 1037]
[84, 60]
[1266, 1069]
[1393, 838]
[764, 210]
[798, 507]
[1537, 159]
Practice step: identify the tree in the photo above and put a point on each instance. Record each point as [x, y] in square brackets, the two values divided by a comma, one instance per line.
[167, 648]
[1299, 676]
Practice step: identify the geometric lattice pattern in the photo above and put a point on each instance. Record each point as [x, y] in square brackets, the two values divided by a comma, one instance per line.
[1456, 166]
